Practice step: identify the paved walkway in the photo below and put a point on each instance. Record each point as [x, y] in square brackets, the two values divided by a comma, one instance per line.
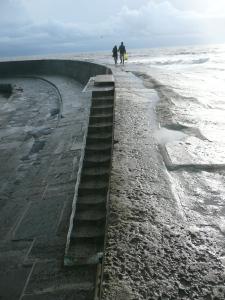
[151, 252]
[41, 140]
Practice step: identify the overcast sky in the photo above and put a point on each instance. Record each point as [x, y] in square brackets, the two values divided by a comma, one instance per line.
[56, 26]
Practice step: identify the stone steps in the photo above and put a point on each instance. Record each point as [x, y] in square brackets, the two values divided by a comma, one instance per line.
[91, 200]
[91, 213]
[87, 231]
[95, 160]
[99, 119]
[99, 137]
[103, 127]
[96, 171]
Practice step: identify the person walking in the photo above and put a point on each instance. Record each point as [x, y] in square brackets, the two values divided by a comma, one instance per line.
[122, 51]
[115, 54]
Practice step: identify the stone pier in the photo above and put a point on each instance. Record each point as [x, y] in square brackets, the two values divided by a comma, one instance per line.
[93, 216]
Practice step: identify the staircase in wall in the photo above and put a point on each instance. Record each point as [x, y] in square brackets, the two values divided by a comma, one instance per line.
[86, 237]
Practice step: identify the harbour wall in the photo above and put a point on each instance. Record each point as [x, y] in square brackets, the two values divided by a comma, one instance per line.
[81, 71]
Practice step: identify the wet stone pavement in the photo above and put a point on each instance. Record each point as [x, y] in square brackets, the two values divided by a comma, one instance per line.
[153, 250]
[41, 134]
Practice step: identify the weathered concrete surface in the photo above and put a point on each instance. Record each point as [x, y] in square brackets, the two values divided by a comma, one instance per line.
[41, 141]
[42, 126]
[153, 250]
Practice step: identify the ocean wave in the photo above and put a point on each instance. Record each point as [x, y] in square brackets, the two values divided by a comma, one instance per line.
[192, 53]
[181, 62]
[167, 62]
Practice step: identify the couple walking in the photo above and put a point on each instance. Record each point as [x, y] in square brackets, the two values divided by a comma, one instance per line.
[121, 50]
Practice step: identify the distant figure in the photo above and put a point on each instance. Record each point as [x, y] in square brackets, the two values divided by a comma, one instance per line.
[122, 51]
[115, 54]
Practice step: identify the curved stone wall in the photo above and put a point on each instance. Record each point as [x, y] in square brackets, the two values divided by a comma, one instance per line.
[79, 70]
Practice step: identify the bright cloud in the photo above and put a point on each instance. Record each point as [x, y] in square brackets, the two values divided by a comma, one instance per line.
[154, 23]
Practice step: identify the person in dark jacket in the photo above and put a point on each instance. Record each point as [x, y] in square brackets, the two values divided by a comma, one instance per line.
[115, 54]
[122, 51]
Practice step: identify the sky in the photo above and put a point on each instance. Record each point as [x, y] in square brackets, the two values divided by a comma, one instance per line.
[32, 27]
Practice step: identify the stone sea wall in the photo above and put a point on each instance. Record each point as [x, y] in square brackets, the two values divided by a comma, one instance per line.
[79, 70]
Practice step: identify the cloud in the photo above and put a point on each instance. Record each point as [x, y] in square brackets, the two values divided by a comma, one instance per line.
[163, 19]
[155, 23]
[12, 11]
